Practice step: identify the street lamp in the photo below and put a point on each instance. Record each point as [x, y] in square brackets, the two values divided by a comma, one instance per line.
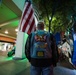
[49, 23]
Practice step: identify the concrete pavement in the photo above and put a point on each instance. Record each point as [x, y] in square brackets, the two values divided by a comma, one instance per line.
[8, 66]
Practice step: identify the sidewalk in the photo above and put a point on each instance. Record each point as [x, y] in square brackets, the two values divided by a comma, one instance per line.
[8, 66]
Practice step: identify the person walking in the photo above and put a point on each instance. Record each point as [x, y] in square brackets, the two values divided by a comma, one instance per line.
[66, 49]
[41, 51]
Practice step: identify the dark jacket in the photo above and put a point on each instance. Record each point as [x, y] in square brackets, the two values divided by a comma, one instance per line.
[42, 62]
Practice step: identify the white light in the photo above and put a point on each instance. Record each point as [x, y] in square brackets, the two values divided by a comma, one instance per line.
[16, 30]
[45, 29]
[49, 18]
[6, 32]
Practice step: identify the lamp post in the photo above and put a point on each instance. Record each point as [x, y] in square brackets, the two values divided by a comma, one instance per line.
[49, 23]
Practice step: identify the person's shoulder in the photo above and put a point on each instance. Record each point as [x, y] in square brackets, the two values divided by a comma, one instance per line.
[64, 44]
[48, 32]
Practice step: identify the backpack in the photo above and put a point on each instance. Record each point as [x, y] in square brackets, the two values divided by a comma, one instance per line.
[40, 45]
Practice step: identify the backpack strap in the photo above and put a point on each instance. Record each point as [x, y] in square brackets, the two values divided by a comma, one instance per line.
[32, 39]
[49, 40]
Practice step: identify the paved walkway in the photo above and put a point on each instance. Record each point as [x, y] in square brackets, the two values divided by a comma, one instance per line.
[8, 66]
[12, 67]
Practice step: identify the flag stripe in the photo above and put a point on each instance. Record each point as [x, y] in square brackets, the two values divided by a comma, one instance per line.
[26, 9]
[31, 26]
[31, 19]
[27, 5]
[27, 21]
[25, 18]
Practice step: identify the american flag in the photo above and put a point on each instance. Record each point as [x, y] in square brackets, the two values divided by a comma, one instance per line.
[27, 23]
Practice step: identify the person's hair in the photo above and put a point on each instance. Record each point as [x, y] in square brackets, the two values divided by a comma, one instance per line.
[40, 25]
